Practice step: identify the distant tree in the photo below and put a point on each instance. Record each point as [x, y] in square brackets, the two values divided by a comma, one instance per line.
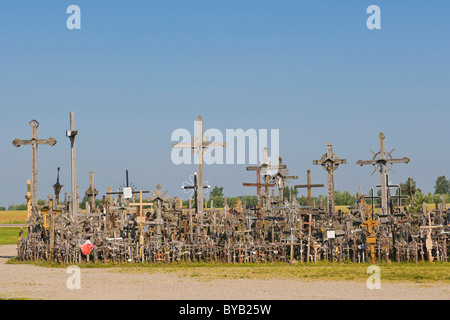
[217, 196]
[18, 207]
[287, 192]
[409, 188]
[442, 185]
[2, 208]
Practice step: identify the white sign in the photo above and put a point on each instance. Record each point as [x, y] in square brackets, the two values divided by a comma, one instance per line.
[127, 193]
[331, 234]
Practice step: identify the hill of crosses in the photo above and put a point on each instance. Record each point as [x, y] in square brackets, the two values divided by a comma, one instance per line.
[134, 226]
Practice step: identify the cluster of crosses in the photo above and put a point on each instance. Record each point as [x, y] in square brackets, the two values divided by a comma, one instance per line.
[125, 227]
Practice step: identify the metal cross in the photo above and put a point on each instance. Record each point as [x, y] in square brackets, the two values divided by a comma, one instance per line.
[34, 142]
[380, 160]
[330, 162]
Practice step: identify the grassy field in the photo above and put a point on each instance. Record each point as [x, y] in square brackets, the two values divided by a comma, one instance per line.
[10, 235]
[13, 217]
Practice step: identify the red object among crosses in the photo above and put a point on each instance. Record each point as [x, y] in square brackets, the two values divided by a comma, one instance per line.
[87, 247]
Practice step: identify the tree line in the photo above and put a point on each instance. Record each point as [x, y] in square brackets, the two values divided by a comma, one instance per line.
[409, 188]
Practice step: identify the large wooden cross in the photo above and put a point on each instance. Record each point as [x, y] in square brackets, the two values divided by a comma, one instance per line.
[34, 142]
[330, 162]
[309, 186]
[380, 160]
[199, 144]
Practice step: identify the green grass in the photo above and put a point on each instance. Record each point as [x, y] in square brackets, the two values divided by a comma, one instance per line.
[422, 272]
[10, 235]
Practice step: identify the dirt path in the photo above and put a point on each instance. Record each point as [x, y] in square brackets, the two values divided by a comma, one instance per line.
[26, 281]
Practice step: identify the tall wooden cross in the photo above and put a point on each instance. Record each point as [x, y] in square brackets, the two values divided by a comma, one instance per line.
[380, 160]
[34, 142]
[330, 162]
[258, 183]
[71, 134]
[200, 145]
[309, 186]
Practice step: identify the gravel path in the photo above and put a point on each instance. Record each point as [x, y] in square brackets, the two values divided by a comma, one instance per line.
[27, 281]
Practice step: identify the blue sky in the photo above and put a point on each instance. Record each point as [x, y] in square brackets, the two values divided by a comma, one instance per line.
[137, 70]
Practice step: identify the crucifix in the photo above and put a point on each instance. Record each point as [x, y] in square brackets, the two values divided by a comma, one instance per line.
[309, 186]
[258, 183]
[380, 160]
[430, 227]
[330, 162]
[159, 199]
[141, 220]
[280, 178]
[34, 142]
[201, 145]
